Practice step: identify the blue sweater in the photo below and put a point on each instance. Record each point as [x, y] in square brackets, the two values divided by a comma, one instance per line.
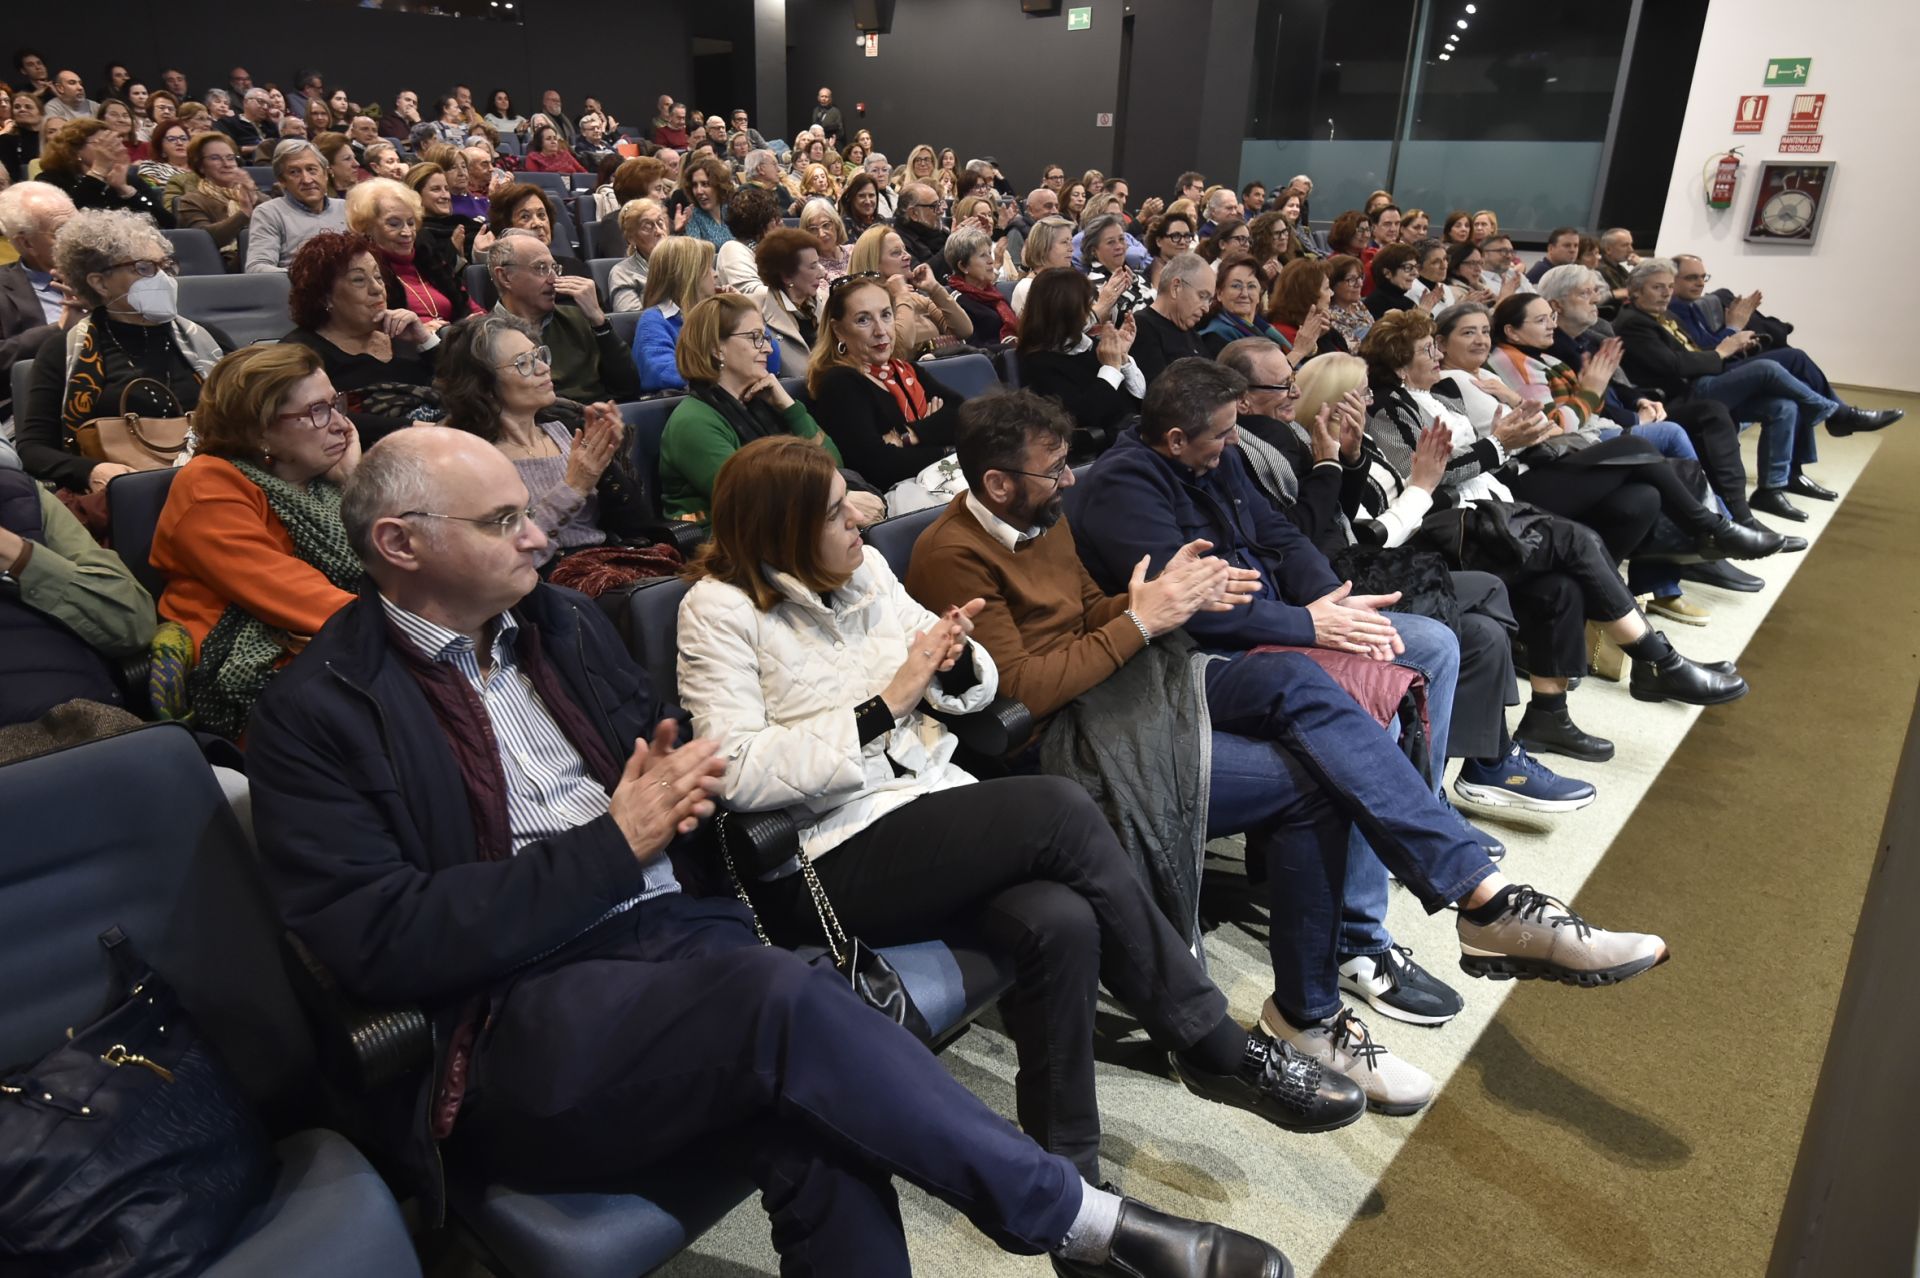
[654, 340]
[1135, 502]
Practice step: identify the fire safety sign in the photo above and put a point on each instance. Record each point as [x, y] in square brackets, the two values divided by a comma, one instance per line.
[1808, 108]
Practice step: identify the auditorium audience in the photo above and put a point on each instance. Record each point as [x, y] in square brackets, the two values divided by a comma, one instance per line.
[496, 382]
[1107, 248]
[131, 352]
[280, 226]
[1048, 246]
[89, 161]
[547, 152]
[1396, 273]
[589, 362]
[250, 539]
[223, 196]
[890, 418]
[379, 356]
[733, 398]
[21, 141]
[680, 275]
[169, 144]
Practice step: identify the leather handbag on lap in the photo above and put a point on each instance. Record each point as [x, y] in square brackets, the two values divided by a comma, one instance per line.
[142, 443]
[129, 1149]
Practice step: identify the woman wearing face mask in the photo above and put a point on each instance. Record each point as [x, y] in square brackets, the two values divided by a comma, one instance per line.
[122, 269]
[429, 284]
[250, 539]
[88, 160]
[891, 419]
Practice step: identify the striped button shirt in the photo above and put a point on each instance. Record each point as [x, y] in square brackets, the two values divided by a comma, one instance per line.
[549, 789]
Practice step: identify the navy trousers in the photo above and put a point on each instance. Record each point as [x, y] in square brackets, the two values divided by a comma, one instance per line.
[676, 1029]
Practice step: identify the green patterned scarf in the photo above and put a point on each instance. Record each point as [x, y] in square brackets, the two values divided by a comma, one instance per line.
[241, 652]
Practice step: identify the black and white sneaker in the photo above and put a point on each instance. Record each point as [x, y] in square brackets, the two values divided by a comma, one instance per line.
[1392, 984]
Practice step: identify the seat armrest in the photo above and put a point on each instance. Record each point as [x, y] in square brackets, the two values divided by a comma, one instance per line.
[996, 730]
[361, 1048]
[687, 536]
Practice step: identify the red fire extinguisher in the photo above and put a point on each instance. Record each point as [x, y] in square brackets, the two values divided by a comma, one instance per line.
[1723, 173]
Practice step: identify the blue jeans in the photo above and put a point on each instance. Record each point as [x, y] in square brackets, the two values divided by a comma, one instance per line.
[1310, 767]
[1433, 650]
[1786, 407]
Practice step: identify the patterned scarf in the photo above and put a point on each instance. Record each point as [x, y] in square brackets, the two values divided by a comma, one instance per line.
[241, 652]
[1009, 322]
[897, 376]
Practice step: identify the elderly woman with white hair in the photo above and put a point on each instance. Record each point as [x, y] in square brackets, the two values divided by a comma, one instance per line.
[643, 224]
[280, 226]
[424, 277]
[820, 219]
[969, 253]
[131, 352]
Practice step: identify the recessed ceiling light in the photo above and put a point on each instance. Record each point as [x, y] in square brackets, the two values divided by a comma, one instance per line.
[1472, 9]
[1461, 23]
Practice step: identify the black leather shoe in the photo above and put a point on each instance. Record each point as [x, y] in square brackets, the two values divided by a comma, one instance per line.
[1789, 544]
[1276, 1082]
[1801, 486]
[1677, 679]
[1850, 420]
[1555, 732]
[1152, 1244]
[1773, 501]
[1728, 540]
[1724, 575]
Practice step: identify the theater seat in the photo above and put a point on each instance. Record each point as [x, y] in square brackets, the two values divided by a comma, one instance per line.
[167, 863]
[134, 503]
[894, 538]
[22, 374]
[648, 417]
[625, 325]
[480, 286]
[968, 375]
[196, 251]
[248, 308]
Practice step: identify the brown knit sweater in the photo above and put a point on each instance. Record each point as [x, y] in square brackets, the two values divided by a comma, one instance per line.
[1046, 625]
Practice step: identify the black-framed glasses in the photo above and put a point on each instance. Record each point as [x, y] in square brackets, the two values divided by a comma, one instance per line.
[317, 415]
[1288, 387]
[507, 525]
[528, 363]
[147, 268]
[756, 338]
[1053, 476]
[1179, 237]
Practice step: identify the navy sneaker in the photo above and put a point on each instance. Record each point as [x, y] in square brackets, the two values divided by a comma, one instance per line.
[1520, 781]
[1392, 984]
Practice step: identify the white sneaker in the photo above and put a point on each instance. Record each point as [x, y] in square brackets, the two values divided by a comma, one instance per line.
[1392, 1086]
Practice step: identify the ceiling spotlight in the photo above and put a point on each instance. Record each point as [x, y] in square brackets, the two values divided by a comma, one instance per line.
[1446, 57]
[1473, 9]
[1461, 23]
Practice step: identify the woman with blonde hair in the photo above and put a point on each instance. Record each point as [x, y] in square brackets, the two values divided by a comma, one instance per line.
[820, 219]
[925, 313]
[921, 166]
[1485, 222]
[817, 182]
[1049, 246]
[422, 276]
[643, 225]
[680, 276]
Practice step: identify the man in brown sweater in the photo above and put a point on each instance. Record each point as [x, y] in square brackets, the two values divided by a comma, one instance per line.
[1295, 762]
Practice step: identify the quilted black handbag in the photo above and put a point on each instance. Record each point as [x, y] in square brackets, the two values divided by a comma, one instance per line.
[128, 1150]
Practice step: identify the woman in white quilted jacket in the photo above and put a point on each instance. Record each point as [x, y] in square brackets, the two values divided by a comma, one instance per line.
[805, 658]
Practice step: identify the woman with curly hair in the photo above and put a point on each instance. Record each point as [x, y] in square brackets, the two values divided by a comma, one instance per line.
[88, 160]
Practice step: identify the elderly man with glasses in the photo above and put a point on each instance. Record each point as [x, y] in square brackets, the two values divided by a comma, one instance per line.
[1170, 328]
[590, 363]
[916, 218]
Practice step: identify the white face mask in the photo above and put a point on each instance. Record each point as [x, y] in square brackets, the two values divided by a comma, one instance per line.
[156, 299]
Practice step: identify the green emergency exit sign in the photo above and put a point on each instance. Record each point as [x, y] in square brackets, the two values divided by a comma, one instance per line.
[1789, 70]
[1080, 19]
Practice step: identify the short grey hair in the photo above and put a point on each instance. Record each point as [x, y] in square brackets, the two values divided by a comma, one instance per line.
[1217, 199]
[287, 152]
[26, 206]
[94, 240]
[1243, 355]
[875, 157]
[819, 205]
[1562, 280]
[1612, 231]
[259, 95]
[1648, 271]
[1045, 233]
[391, 479]
[500, 253]
[1091, 229]
[218, 95]
[963, 244]
[1184, 268]
[757, 157]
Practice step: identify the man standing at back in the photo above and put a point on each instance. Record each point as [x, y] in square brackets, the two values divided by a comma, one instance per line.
[459, 805]
[827, 116]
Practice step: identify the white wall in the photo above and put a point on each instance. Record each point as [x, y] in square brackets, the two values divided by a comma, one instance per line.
[1851, 295]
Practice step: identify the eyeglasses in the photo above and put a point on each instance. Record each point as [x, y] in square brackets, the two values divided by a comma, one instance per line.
[527, 363]
[1179, 237]
[507, 526]
[318, 415]
[1204, 298]
[1288, 387]
[1701, 278]
[756, 337]
[848, 281]
[545, 270]
[147, 268]
[1052, 477]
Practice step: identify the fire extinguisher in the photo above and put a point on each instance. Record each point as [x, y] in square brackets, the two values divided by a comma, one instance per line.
[1721, 173]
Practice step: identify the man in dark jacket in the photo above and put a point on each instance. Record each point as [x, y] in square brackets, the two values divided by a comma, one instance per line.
[827, 116]
[916, 220]
[1169, 329]
[1178, 478]
[457, 806]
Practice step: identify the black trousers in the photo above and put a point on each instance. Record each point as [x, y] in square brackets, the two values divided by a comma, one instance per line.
[674, 1035]
[1484, 687]
[1617, 487]
[1568, 580]
[1031, 865]
[1716, 441]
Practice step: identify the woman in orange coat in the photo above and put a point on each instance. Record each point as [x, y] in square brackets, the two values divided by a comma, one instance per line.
[250, 539]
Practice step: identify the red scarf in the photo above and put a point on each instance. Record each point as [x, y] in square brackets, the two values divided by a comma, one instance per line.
[897, 376]
[1009, 322]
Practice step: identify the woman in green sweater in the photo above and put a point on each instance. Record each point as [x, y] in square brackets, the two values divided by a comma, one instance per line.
[731, 400]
